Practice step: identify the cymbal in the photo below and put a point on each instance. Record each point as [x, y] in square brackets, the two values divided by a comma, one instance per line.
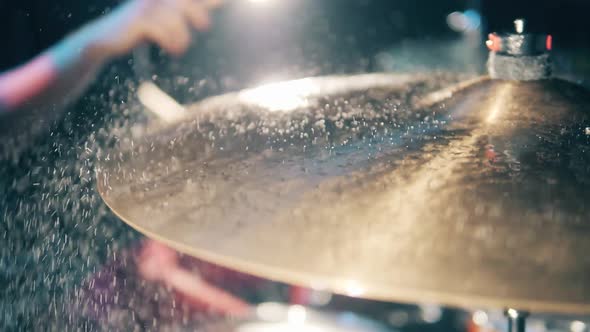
[378, 186]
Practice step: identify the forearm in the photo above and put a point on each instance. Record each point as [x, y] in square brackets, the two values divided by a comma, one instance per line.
[35, 94]
[54, 77]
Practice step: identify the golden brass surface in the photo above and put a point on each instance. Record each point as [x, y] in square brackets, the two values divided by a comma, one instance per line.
[378, 186]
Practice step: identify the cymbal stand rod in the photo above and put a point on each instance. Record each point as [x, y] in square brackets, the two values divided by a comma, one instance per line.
[516, 320]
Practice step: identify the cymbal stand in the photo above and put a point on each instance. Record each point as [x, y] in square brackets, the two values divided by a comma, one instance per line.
[516, 320]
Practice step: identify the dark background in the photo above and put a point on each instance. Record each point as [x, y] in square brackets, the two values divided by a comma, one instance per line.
[359, 27]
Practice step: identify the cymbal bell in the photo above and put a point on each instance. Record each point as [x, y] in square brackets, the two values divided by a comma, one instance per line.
[395, 190]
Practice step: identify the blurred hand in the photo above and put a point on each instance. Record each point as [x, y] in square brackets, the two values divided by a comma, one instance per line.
[167, 23]
[160, 263]
[62, 73]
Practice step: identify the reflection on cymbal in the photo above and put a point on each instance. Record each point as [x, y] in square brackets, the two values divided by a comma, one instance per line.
[478, 199]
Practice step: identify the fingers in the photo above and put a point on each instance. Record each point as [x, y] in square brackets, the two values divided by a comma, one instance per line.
[168, 28]
[211, 4]
[175, 26]
[163, 36]
[168, 23]
[169, 20]
[196, 12]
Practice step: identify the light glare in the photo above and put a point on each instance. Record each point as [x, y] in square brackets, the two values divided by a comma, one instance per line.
[480, 318]
[354, 289]
[283, 96]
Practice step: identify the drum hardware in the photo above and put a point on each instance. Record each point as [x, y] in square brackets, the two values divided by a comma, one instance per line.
[516, 320]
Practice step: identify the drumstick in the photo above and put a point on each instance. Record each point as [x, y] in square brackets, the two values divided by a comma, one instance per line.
[159, 102]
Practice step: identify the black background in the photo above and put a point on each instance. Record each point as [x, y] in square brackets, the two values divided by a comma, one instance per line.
[30, 26]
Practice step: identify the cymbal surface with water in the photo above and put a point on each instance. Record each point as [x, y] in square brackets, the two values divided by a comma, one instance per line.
[362, 186]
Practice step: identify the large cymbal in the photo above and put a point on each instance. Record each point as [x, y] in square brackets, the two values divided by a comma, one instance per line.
[379, 187]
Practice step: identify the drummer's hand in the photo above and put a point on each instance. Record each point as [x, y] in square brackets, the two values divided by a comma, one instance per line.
[167, 23]
[157, 262]
[61, 74]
